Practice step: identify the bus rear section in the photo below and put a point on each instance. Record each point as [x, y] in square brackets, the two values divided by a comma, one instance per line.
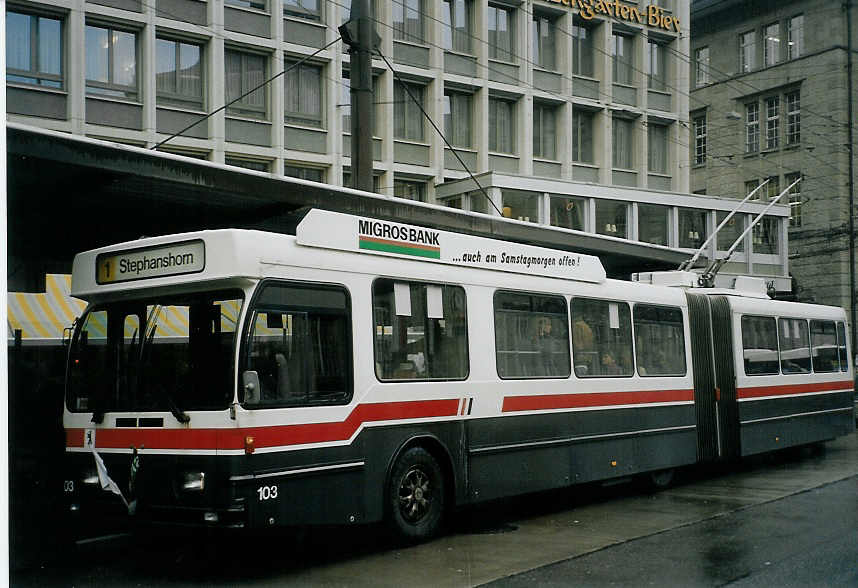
[768, 375]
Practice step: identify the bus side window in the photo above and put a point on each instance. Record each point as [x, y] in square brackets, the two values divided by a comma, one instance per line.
[795, 346]
[300, 345]
[601, 338]
[760, 345]
[823, 339]
[420, 331]
[531, 335]
[843, 348]
[659, 340]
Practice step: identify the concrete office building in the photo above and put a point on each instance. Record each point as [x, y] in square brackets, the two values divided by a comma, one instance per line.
[771, 99]
[568, 112]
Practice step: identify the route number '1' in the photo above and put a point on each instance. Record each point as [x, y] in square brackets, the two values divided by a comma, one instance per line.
[267, 492]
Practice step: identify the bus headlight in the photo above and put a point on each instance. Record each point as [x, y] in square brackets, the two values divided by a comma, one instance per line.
[194, 481]
[90, 478]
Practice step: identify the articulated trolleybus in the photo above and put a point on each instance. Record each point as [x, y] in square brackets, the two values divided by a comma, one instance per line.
[364, 370]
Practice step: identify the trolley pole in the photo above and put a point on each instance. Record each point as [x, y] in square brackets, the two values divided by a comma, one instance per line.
[359, 34]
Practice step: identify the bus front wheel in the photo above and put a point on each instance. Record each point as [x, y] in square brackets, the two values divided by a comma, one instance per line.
[416, 496]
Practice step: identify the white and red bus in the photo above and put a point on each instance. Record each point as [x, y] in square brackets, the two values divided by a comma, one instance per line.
[364, 370]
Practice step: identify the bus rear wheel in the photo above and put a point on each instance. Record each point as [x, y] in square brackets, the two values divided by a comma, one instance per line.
[416, 496]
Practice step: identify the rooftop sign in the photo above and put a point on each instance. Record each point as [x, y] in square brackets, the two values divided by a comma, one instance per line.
[150, 262]
[334, 230]
[653, 16]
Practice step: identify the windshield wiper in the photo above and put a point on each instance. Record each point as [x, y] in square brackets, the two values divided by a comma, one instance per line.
[180, 415]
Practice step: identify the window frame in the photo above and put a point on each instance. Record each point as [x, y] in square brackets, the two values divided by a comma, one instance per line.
[303, 13]
[40, 78]
[546, 142]
[454, 36]
[242, 108]
[656, 59]
[410, 282]
[541, 21]
[773, 122]
[250, 323]
[539, 316]
[793, 116]
[637, 362]
[401, 29]
[745, 362]
[771, 44]
[110, 88]
[700, 139]
[795, 36]
[454, 101]
[583, 62]
[752, 127]
[622, 59]
[597, 346]
[176, 98]
[297, 117]
[747, 51]
[402, 99]
[495, 129]
[701, 66]
[495, 52]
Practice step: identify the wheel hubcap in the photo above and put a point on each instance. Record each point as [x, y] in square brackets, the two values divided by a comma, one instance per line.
[414, 495]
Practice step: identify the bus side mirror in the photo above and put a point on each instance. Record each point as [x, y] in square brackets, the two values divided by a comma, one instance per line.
[250, 380]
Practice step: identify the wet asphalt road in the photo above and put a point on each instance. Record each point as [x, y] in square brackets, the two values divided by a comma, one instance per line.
[785, 520]
[808, 539]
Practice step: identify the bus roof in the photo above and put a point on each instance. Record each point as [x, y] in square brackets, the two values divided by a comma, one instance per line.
[224, 254]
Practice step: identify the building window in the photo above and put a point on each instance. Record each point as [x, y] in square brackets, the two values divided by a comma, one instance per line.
[544, 42]
[750, 186]
[521, 205]
[501, 125]
[245, 71]
[611, 218]
[582, 136]
[544, 131]
[456, 29]
[314, 174]
[771, 44]
[408, 20]
[766, 236]
[582, 51]
[732, 230]
[34, 50]
[701, 66]
[409, 190]
[111, 62]
[700, 140]
[692, 228]
[303, 100]
[773, 122]
[407, 116]
[653, 224]
[794, 196]
[254, 164]
[752, 127]
[795, 36]
[623, 143]
[500, 22]
[306, 9]
[656, 66]
[657, 148]
[622, 57]
[254, 4]
[773, 188]
[179, 73]
[457, 119]
[568, 212]
[747, 51]
[793, 131]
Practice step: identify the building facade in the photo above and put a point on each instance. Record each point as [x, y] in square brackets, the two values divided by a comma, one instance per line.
[570, 113]
[770, 100]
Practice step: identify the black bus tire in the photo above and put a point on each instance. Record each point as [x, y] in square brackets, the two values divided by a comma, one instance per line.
[416, 496]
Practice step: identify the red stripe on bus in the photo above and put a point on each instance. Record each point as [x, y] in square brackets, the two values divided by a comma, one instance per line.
[274, 436]
[594, 399]
[787, 389]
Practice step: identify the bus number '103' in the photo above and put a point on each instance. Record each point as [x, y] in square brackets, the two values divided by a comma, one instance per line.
[267, 492]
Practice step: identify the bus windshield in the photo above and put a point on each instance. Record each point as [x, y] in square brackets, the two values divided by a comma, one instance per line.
[167, 354]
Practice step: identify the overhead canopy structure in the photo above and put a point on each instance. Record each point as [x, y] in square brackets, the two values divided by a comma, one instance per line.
[67, 194]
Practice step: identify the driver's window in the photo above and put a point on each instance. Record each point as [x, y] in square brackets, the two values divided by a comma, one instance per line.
[299, 345]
